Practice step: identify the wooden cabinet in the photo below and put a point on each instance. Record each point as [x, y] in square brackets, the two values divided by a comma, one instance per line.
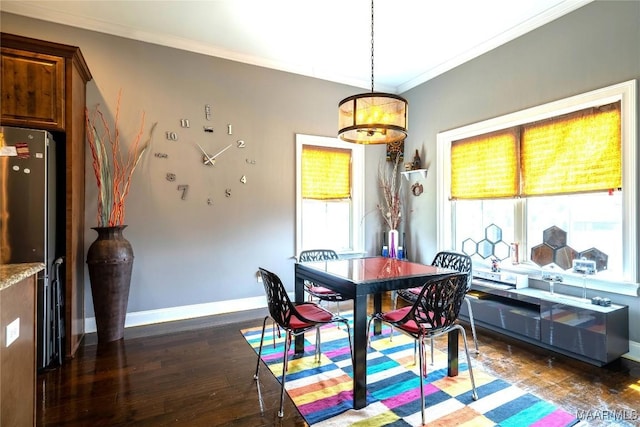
[44, 87]
[32, 89]
[18, 359]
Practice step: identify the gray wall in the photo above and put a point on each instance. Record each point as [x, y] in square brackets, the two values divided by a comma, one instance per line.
[187, 252]
[190, 253]
[595, 46]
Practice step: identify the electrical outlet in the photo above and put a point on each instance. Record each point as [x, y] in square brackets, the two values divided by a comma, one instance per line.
[13, 331]
[258, 277]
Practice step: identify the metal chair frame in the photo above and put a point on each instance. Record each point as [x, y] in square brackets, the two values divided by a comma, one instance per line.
[316, 291]
[433, 313]
[294, 319]
[457, 261]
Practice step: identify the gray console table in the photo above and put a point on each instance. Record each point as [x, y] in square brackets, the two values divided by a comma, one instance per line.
[568, 325]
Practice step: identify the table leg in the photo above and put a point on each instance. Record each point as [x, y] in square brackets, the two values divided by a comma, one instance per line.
[360, 343]
[377, 308]
[452, 353]
[299, 294]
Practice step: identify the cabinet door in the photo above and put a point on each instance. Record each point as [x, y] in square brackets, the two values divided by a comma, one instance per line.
[576, 329]
[32, 89]
[18, 360]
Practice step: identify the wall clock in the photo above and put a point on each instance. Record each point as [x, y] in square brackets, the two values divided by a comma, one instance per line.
[209, 160]
[209, 153]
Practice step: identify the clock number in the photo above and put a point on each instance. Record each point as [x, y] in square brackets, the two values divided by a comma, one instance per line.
[241, 143]
[243, 179]
[184, 188]
[210, 201]
[184, 123]
[172, 136]
[227, 192]
[229, 129]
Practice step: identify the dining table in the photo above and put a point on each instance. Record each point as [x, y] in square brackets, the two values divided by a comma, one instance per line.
[357, 279]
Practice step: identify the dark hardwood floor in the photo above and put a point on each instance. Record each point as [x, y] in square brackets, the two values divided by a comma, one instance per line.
[200, 373]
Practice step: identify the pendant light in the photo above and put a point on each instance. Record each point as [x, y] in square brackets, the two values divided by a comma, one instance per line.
[375, 117]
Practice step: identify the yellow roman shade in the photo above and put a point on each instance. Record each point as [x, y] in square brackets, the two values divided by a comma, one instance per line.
[485, 166]
[578, 152]
[326, 173]
[574, 153]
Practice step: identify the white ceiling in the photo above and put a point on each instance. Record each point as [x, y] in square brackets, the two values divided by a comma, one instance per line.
[415, 40]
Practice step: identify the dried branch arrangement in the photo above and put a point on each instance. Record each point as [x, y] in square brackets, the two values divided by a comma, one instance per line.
[390, 187]
[112, 170]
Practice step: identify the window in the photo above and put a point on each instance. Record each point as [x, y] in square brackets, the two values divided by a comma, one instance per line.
[549, 178]
[329, 194]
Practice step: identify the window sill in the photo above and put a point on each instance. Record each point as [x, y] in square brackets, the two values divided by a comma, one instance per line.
[351, 254]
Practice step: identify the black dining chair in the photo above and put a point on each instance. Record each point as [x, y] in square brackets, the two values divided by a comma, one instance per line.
[433, 313]
[452, 260]
[294, 319]
[315, 290]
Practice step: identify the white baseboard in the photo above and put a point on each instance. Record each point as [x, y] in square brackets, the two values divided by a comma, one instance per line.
[184, 312]
[634, 351]
[150, 317]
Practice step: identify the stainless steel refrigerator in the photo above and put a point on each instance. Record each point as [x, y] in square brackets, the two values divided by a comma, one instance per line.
[29, 231]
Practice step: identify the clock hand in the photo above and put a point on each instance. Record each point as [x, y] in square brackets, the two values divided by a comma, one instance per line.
[208, 159]
[221, 151]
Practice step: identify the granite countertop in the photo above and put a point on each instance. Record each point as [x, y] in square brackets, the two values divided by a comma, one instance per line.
[11, 274]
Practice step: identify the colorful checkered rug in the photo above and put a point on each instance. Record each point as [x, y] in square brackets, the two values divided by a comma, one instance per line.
[323, 392]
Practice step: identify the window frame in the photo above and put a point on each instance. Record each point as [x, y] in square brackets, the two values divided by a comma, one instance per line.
[357, 187]
[625, 93]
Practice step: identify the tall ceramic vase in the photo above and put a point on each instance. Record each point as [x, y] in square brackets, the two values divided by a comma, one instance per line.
[393, 243]
[110, 261]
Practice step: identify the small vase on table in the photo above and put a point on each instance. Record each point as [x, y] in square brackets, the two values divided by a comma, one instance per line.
[393, 243]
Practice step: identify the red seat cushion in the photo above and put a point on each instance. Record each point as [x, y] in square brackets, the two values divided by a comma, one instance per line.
[409, 326]
[312, 312]
[395, 315]
[321, 290]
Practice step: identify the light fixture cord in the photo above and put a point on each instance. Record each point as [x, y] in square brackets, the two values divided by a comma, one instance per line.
[371, 46]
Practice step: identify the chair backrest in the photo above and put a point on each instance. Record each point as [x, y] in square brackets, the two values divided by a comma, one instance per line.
[280, 307]
[317, 255]
[439, 302]
[457, 261]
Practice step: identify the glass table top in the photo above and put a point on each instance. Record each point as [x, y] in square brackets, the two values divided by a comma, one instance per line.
[361, 270]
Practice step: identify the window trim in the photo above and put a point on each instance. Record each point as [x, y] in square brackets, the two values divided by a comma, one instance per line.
[357, 190]
[625, 93]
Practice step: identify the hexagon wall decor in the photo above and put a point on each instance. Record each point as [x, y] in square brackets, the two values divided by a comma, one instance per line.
[491, 246]
[554, 237]
[554, 249]
[596, 255]
[542, 254]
